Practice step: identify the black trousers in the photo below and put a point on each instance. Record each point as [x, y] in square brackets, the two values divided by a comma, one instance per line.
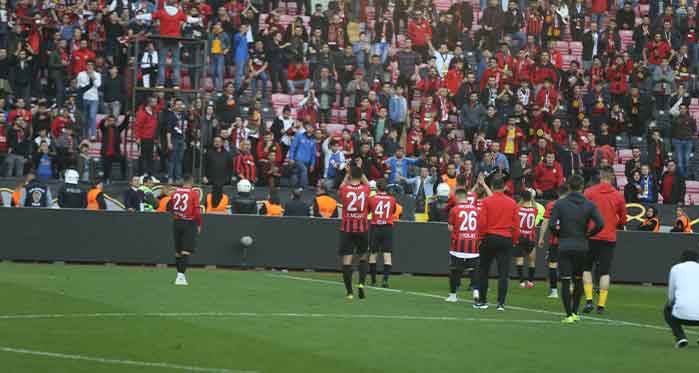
[146, 158]
[676, 324]
[496, 248]
[107, 165]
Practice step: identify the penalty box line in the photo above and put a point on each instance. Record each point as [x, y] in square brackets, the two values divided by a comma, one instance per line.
[429, 295]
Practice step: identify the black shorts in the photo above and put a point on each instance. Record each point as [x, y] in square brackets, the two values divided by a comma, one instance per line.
[463, 264]
[381, 239]
[553, 254]
[571, 263]
[602, 253]
[185, 234]
[354, 243]
[524, 248]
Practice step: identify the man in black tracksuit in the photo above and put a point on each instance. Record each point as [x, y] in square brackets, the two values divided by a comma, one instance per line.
[573, 213]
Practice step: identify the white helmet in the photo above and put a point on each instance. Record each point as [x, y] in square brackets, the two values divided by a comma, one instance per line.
[71, 176]
[372, 185]
[443, 190]
[244, 186]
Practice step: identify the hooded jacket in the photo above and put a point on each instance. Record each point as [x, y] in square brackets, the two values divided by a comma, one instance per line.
[573, 214]
[611, 206]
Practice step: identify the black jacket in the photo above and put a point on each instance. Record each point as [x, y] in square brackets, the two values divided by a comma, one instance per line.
[678, 188]
[297, 207]
[438, 210]
[133, 199]
[114, 89]
[218, 167]
[72, 197]
[244, 203]
[573, 214]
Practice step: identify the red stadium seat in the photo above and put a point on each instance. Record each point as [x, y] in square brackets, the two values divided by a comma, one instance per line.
[626, 39]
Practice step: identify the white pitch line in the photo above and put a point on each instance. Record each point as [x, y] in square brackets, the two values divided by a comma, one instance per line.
[266, 315]
[429, 295]
[113, 361]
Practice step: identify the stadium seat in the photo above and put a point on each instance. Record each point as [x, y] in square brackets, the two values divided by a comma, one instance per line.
[624, 155]
[626, 39]
[442, 5]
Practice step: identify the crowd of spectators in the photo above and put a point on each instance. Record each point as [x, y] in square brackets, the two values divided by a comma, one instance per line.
[431, 89]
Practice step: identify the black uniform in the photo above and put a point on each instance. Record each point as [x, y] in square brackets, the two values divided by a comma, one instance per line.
[438, 210]
[36, 194]
[71, 196]
[244, 204]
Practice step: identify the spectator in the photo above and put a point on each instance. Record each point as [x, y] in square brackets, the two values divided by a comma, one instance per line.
[145, 131]
[420, 33]
[649, 186]
[672, 184]
[86, 165]
[219, 46]
[297, 206]
[172, 19]
[633, 164]
[650, 223]
[59, 61]
[633, 188]
[663, 84]
[71, 195]
[302, 156]
[111, 135]
[244, 163]
[133, 197]
[324, 206]
[176, 124]
[324, 88]
[90, 98]
[22, 73]
[218, 164]
[548, 177]
[44, 163]
[114, 92]
[258, 67]
[244, 202]
[398, 166]
[684, 129]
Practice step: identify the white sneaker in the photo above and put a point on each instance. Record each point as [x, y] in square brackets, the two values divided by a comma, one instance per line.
[181, 280]
[452, 298]
[523, 284]
[476, 295]
[553, 294]
[682, 343]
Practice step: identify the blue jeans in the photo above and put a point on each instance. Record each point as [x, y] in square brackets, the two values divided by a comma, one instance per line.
[299, 176]
[90, 110]
[381, 49]
[176, 158]
[240, 71]
[167, 46]
[293, 83]
[217, 63]
[262, 77]
[682, 148]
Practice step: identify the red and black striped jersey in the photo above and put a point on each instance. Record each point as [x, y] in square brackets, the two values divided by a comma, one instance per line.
[527, 223]
[244, 167]
[355, 208]
[463, 219]
[382, 207]
[184, 205]
[553, 240]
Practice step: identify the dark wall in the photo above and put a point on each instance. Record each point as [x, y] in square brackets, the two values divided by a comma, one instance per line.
[294, 243]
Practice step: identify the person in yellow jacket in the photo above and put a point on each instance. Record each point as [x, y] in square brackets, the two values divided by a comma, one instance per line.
[682, 223]
[272, 206]
[217, 201]
[95, 197]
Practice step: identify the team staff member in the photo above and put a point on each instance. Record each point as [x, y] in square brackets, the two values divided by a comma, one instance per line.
[527, 239]
[553, 252]
[95, 197]
[464, 253]
[573, 213]
[184, 205]
[324, 206]
[611, 205]
[498, 228]
[683, 296]
[383, 208]
[354, 240]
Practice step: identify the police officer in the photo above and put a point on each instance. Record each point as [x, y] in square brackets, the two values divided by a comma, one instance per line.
[71, 196]
[573, 214]
[244, 202]
[438, 207]
[35, 193]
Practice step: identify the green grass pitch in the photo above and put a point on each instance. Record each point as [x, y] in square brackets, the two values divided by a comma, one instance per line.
[62, 318]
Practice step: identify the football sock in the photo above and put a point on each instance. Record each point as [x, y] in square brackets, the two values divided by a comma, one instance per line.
[577, 294]
[553, 278]
[363, 268]
[178, 264]
[565, 296]
[520, 273]
[372, 270]
[347, 277]
[454, 276]
[531, 274]
[181, 263]
[588, 292]
[386, 271]
[602, 301]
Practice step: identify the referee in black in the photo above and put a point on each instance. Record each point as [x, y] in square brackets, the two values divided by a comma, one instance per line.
[573, 214]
